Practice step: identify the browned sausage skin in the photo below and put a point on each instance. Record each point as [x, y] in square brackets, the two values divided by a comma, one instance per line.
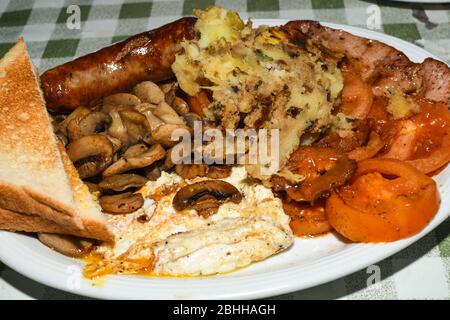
[145, 56]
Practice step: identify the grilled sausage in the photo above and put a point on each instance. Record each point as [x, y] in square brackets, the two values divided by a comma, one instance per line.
[145, 56]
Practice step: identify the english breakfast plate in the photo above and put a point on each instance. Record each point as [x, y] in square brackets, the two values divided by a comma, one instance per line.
[309, 262]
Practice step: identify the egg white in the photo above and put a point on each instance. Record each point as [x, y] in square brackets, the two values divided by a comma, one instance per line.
[184, 243]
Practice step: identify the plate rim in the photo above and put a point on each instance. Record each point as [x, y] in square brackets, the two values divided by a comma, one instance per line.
[378, 252]
[437, 2]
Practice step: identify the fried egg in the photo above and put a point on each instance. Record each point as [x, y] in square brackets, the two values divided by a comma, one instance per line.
[159, 240]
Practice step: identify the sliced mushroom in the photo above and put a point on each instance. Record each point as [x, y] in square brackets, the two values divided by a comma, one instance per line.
[190, 118]
[77, 114]
[148, 139]
[93, 122]
[67, 245]
[168, 161]
[324, 170]
[62, 138]
[90, 154]
[206, 196]
[57, 119]
[116, 143]
[218, 171]
[169, 90]
[311, 190]
[152, 172]
[155, 153]
[136, 124]
[117, 128]
[149, 92]
[191, 171]
[163, 134]
[93, 187]
[168, 86]
[147, 110]
[122, 182]
[172, 158]
[121, 203]
[120, 99]
[167, 114]
[135, 150]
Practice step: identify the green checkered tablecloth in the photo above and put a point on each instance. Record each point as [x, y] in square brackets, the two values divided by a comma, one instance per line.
[420, 271]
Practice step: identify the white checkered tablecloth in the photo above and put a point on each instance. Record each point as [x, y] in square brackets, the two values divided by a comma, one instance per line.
[421, 271]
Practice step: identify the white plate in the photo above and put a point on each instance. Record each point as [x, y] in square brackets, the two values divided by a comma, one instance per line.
[307, 263]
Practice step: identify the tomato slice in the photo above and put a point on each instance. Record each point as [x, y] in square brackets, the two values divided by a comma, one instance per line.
[378, 115]
[403, 144]
[357, 97]
[432, 146]
[386, 200]
[307, 219]
[374, 145]
[423, 140]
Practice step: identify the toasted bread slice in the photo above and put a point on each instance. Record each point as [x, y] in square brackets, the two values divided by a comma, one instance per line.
[36, 194]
